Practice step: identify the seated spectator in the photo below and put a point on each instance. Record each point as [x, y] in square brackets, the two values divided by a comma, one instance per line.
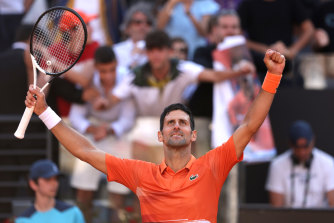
[137, 23]
[261, 146]
[179, 48]
[43, 180]
[106, 128]
[303, 176]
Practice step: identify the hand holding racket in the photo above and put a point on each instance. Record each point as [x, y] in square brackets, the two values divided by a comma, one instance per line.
[57, 41]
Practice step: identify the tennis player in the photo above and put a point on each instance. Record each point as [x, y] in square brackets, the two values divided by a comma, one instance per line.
[182, 188]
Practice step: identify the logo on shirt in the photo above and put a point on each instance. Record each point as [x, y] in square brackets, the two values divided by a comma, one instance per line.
[193, 177]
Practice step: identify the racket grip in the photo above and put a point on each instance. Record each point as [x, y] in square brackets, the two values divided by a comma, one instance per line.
[21, 129]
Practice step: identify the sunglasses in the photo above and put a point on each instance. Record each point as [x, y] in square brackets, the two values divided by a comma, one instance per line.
[139, 22]
[182, 50]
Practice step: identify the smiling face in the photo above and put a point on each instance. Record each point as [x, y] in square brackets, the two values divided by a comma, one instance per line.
[176, 132]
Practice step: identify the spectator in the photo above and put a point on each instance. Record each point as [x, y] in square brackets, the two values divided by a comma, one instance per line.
[43, 180]
[137, 23]
[261, 146]
[160, 82]
[187, 19]
[278, 20]
[106, 129]
[166, 191]
[225, 23]
[179, 48]
[303, 176]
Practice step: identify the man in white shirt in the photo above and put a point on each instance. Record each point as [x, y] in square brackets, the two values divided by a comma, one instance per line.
[303, 176]
[106, 128]
[137, 23]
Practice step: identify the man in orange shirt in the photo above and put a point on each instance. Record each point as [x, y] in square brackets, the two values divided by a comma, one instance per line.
[182, 188]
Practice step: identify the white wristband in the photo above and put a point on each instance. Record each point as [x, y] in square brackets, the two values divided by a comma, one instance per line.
[50, 118]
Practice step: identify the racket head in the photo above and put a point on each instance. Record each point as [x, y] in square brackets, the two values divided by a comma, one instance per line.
[58, 40]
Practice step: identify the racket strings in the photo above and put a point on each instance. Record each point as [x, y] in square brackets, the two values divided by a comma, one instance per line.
[58, 41]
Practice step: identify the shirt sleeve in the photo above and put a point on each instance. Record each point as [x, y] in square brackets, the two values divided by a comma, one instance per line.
[126, 119]
[123, 89]
[222, 159]
[191, 69]
[275, 182]
[79, 218]
[77, 117]
[329, 185]
[125, 171]
[208, 7]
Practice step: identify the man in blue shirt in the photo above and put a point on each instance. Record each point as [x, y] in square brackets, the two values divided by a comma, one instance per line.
[43, 180]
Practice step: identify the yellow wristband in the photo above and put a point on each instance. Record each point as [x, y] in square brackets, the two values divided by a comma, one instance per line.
[271, 82]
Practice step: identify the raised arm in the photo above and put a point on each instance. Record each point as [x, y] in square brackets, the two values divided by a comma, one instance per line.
[257, 113]
[73, 141]
[165, 13]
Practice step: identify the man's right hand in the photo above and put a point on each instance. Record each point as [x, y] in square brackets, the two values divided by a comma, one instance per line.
[39, 102]
[274, 61]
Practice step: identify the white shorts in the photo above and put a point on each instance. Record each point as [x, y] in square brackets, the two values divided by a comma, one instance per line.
[86, 177]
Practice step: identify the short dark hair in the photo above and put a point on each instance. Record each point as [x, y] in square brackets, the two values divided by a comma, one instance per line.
[173, 107]
[178, 40]
[157, 39]
[104, 54]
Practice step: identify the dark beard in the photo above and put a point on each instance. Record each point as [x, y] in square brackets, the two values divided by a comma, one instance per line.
[176, 144]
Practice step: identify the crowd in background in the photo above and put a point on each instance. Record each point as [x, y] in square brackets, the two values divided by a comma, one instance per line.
[116, 92]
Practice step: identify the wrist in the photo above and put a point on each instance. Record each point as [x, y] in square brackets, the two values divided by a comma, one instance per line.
[43, 110]
[49, 118]
[271, 82]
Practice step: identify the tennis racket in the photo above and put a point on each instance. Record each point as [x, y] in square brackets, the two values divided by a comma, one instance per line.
[57, 41]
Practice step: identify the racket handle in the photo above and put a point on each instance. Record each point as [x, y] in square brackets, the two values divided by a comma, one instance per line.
[21, 129]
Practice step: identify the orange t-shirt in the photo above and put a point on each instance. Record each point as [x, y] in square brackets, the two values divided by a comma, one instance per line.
[191, 194]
